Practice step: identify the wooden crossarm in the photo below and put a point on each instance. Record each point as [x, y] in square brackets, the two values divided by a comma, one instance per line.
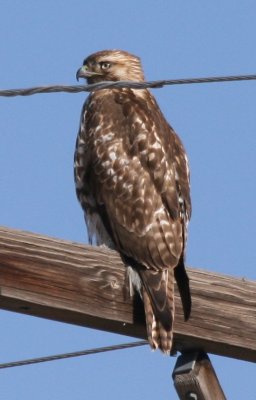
[84, 285]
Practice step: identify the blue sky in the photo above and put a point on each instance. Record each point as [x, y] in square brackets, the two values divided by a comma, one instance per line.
[44, 42]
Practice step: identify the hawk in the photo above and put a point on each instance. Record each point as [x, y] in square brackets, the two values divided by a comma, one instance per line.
[132, 180]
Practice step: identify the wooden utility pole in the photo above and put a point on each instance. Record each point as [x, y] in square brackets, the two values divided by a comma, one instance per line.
[195, 379]
[84, 285]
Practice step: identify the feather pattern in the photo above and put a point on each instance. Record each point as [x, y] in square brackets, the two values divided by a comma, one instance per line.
[132, 180]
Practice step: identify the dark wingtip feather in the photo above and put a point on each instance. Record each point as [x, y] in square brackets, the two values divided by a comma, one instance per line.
[184, 289]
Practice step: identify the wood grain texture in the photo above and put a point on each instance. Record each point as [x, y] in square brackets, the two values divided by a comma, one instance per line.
[84, 285]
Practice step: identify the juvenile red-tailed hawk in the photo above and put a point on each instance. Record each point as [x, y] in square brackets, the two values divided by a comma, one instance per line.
[132, 180]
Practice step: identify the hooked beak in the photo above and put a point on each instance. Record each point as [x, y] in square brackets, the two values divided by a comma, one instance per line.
[85, 73]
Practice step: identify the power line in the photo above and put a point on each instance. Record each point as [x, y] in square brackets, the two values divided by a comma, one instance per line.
[71, 355]
[121, 84]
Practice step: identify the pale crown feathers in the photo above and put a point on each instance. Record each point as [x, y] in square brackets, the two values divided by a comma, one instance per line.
[111, 65]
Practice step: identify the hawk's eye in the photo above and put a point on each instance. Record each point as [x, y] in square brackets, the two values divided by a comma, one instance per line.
[104, 65]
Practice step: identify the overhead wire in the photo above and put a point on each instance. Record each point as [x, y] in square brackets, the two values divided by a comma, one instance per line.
[90, 88]
[72, 355]
[121, 84]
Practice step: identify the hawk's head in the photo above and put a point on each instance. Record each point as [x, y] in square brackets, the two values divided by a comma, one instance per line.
[111, 65]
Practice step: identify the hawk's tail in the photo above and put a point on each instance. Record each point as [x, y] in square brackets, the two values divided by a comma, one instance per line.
[158, 297]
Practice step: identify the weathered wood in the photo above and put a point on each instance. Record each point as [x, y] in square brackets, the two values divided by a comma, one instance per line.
[84, 285]
[195, 379]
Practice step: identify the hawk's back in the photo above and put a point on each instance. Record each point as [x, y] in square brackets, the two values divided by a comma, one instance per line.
[132, 180]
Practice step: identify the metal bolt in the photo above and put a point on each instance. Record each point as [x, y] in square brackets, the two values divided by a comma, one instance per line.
[191, 396]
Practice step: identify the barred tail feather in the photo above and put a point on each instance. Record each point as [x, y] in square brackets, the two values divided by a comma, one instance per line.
[158, 301]
[158, 336]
